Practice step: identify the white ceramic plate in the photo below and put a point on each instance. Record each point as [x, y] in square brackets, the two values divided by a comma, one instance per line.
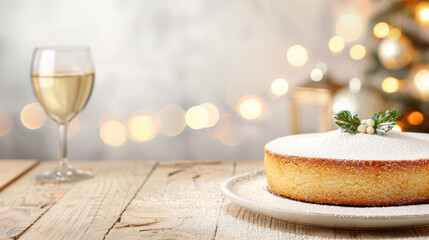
[250, 190]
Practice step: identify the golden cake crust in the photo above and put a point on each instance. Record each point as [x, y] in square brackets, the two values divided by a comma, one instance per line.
[348, 182]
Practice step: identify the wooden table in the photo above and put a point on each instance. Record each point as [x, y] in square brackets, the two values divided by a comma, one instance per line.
[141, 200]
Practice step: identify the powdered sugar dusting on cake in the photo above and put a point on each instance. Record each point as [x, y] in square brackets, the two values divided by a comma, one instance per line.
[337, 145]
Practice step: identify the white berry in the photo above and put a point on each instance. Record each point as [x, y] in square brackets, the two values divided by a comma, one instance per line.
[370, 130]
[362, 129]
[363, 122]
[370, 123]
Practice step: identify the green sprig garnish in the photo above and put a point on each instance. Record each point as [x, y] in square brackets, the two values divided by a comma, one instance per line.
[347, 122]
[384, 121]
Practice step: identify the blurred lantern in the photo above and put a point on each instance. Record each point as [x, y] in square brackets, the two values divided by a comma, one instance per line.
[318, 92]
[419, 81]
[358, 99]
[396, 51]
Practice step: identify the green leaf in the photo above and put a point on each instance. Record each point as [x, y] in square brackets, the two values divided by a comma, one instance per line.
[385, 121]
[346, 121]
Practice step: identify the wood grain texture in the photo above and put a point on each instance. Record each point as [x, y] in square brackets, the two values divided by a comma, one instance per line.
[25, 200]
[140, 200]
[91, 207]
[10, 170]
[179, 201]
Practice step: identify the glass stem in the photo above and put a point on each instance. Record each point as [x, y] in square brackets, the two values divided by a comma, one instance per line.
[64, 163]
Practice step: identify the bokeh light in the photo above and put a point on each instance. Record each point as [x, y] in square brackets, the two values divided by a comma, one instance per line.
[415, 118]
[355, 85]
[381, 30]
[197, 117]
[33, 116]
[336, 44]
[422, 13]
[279, 87]
[357, 52]
[395, 33]
[172, 120]
[143, 126]
[213, 114]
[421, 79]
[6, 122]
[344, 103]
[390, 85]
[113, 133]
[399, 126]
[316, 75]
[350, 27]
[297, 55]
[249, 107]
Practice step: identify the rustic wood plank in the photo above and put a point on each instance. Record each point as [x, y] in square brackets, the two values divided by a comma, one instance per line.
[179, 201]
[10, 170]
[24, 201]
[91, 207]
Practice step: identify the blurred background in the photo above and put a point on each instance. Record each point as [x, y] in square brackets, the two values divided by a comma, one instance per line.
[212, 80]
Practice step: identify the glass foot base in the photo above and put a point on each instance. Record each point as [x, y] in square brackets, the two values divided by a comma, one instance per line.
[71, 175]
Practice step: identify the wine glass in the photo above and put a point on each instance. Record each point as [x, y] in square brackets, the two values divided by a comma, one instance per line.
[62, 78]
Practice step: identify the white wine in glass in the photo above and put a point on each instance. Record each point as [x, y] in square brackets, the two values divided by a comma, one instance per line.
[63, 78]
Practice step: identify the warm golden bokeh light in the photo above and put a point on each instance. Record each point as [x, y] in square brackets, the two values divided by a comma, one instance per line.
[249, 107]
[395, 33]
[421, 79]
[316, 75]
[350, 27]
[422, 13]
[390, 85]
[279, 87]
[172, 120]
[6, 122]
[297, 56]
[113, 133]
[357, 52]
[415, 118]
[143, 126]
[336, 44]
[213, 114]
[381, 30]
[73, 128]
[197, 117]
[33, 116]
[397, 128]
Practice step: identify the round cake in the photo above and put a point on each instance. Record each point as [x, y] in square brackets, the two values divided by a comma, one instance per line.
[350, 169]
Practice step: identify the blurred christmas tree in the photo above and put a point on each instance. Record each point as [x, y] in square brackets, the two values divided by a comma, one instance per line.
[401, 60]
